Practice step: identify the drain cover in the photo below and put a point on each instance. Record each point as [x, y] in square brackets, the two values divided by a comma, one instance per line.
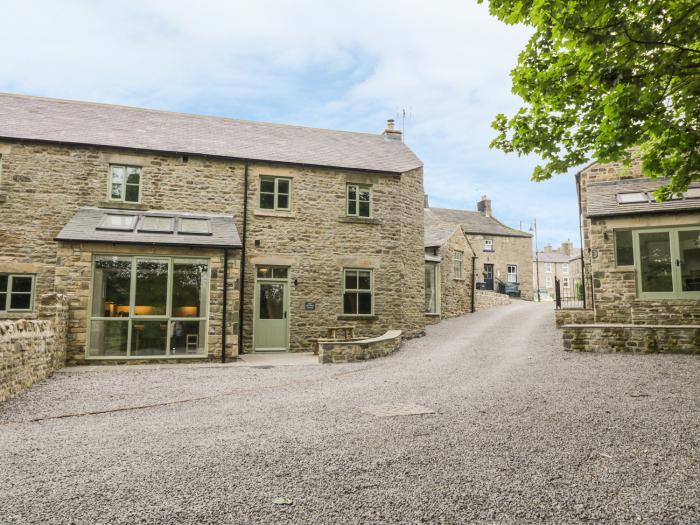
[397, 409]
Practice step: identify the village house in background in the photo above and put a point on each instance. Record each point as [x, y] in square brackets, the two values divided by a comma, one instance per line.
[151, 224]
[562, 264]
[644, 260]
[503, 255]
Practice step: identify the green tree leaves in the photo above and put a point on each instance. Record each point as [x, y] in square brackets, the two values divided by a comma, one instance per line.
[606, 80]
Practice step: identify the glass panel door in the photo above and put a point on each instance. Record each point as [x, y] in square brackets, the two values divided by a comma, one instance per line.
[655, 262]
[689, 255]
[270, 332]
[430, 289]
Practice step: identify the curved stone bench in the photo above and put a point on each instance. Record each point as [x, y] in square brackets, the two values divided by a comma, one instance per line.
[331, 351]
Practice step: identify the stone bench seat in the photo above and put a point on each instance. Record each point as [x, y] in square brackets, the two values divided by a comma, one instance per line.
[337, 351]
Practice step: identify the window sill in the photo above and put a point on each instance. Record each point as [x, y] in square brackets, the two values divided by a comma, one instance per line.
[29, 314]
[119, 205]
[489, 251]
[358, 220]
[458, 279]
[430, 314]
[273, 213]
[345, 317]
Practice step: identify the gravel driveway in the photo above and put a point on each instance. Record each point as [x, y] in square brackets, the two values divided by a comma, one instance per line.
[522, 433]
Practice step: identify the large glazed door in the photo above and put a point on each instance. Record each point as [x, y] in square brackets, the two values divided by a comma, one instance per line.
[271, 316]
[488, 276]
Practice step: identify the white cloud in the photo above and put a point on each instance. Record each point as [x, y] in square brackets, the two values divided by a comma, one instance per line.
[346, 65]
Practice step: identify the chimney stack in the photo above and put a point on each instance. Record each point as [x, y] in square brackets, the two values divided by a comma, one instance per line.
[566, 247]
[426, 202]
[547, 248]
[391, 133]
[484, 206]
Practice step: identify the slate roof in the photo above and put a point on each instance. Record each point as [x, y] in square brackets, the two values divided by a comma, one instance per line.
[66, 121]
[556, 257]
[438, 234]
[84, 226]
[471, 222]
[602, 198]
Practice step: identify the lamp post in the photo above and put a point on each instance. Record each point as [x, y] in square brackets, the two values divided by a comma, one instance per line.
[533, 228]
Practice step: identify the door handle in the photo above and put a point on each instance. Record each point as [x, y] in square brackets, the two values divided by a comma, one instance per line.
[285, 315]
[678, 262]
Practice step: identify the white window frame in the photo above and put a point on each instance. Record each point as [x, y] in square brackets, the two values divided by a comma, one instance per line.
[565, 282]
[358, 187]
[124, 184]
[548, 281]
[166, 317]
[514, 273]
[488, 245]
[548, 267]
[458, 264]
[9, 293]
[565, 268]
[358, 291]
[275, 196]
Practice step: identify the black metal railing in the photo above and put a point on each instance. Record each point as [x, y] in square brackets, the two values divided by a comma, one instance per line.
[572, 292]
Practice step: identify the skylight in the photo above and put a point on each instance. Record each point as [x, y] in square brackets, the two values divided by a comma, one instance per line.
[112, 221]
[151, 223]
[632, 197]
[192, 226]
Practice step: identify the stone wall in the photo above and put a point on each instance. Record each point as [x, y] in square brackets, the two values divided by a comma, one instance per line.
[573, 316]
[683, 339]
[349, 351]
[46, 184]
[316, 240]
[488, 299]
[455, 292]
[33, 349]
[506, 250]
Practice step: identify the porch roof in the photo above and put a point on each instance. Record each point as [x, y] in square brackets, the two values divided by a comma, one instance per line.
[602, 199]
[88, 225]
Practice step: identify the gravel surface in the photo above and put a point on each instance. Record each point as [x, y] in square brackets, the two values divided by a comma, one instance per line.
[522, 433]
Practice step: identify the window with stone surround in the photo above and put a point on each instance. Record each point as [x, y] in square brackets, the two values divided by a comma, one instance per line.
[548, 281]
[565, 282]
[667, 263]
[512, 273]
[565, 268]
[358, 292]
[16, 292]
[488, 245]
[457, 266]
[275, 193]
[359, 200]
[148, 306]
[124, 183]
[624, 250]
[548, 267]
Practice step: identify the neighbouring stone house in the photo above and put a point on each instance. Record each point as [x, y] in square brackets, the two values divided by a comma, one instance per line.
[503, 254]
[644, 260]
[166, 232]
[563, 263]
[449, 272]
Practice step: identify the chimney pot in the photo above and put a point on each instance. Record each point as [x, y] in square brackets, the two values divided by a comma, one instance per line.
[391, 133]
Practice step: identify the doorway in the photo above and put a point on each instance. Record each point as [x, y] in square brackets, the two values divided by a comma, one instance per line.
[488, 276]
[271, 323]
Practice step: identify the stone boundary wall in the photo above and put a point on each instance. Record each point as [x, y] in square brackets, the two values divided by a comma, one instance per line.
[643, 339]
[574, 316]
[33, 349]
[351, 351]
[488, 299]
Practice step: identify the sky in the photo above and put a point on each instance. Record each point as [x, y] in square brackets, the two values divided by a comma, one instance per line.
[320, 63]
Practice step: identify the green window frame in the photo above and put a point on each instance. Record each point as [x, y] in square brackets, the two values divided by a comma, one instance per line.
[124, 183]
[457, 264]
[662, 262]
[275, 193]
[16, 292]
[359, 200]
[358, 292]
[148, 300]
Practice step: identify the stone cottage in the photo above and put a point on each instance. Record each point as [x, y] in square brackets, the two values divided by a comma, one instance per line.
[449, 272]
[180, 237]
[503, 254]
[644, 259]
[563, 263]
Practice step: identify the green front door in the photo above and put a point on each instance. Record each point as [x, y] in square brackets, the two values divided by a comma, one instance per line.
[270, 332]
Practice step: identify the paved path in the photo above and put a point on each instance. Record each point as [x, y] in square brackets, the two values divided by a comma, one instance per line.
[522, 433]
